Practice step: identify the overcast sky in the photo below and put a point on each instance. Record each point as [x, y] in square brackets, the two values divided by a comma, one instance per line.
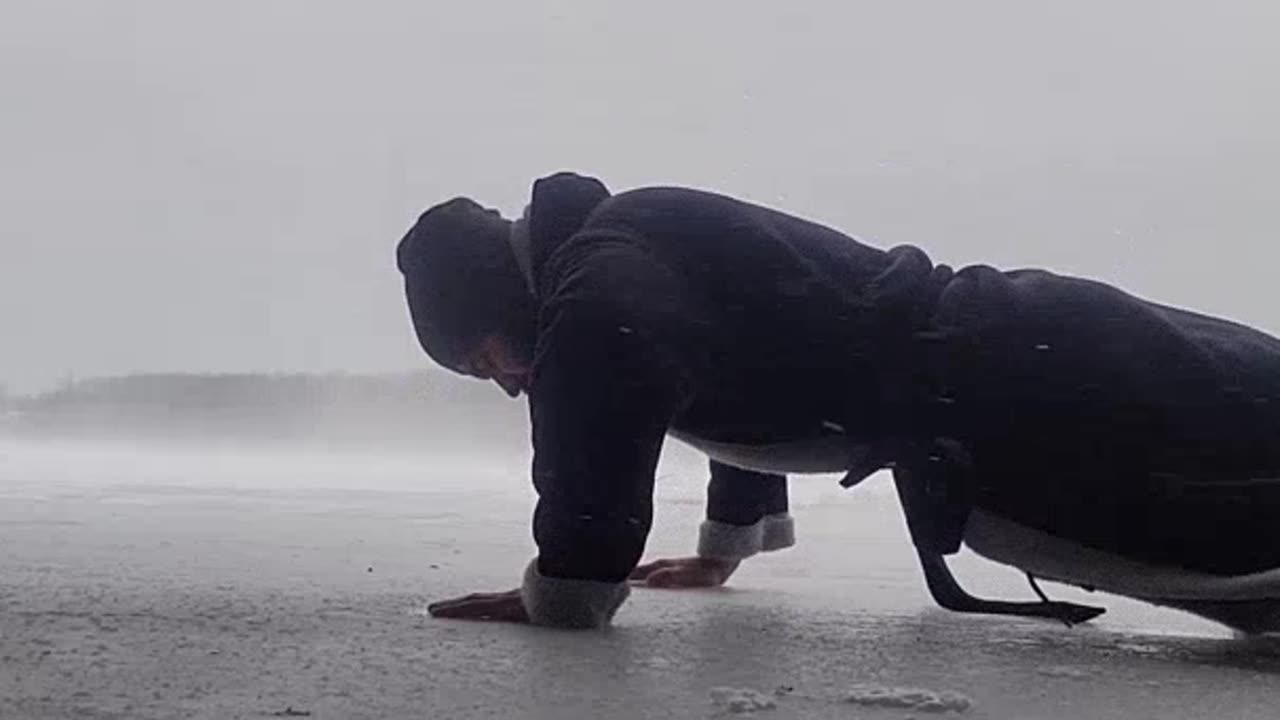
[218, 186]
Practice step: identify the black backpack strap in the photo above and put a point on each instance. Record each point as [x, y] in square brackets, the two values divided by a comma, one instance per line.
[936, 487]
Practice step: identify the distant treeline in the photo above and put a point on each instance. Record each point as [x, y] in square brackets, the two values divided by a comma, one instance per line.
[427, 411]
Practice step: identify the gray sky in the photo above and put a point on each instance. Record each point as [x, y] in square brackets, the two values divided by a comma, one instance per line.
[219, 186]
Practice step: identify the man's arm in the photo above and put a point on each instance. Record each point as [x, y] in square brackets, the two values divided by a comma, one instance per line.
[607, 380]
[747, 513]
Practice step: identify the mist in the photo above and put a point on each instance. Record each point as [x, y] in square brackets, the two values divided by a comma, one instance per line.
[218, 188]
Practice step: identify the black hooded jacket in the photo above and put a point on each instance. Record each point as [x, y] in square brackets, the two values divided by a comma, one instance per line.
[1080, 410]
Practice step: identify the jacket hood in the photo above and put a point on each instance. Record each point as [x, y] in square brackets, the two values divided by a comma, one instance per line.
[560, 206]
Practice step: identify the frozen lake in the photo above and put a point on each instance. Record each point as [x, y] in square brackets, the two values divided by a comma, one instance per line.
[159, 585]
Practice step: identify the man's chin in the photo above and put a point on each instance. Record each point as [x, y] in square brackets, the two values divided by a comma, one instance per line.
[511, 386]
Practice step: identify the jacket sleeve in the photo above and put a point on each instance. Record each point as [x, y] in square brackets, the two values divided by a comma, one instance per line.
[606, 383]
[747, 513]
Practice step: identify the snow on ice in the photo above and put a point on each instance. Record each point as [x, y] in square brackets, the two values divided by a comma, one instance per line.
[908, 698]
[741, 700]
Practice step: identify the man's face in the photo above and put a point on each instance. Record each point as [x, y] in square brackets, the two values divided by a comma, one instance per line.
[494, 358]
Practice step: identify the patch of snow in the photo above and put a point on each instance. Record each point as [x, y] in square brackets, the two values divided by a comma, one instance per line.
[1063, 671]
[737, 701]
[908, 698]
[658, 662]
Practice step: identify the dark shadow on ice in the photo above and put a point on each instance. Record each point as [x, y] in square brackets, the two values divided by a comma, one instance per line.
[1090, 644]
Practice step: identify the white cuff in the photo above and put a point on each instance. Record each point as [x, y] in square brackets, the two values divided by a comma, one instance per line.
[570, 603]
[735, 542]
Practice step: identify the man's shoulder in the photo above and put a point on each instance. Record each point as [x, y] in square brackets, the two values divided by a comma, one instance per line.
[617, 274]
[672, 202]
[611, 267]
[681, 228]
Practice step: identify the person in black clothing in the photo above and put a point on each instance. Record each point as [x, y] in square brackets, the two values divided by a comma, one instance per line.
[1052, 423]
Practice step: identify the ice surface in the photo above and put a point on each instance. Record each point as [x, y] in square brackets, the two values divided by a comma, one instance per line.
[1062, 671]
[211, 587]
